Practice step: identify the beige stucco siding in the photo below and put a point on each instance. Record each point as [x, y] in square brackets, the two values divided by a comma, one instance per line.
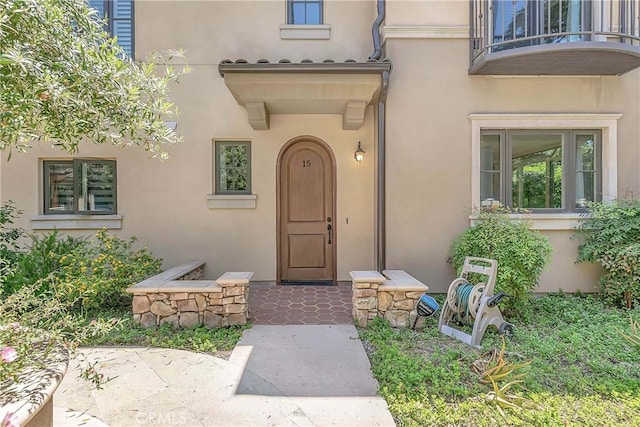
[437, 12]
[214, 30]
[428, 140]
[165, 204]
[429, 135]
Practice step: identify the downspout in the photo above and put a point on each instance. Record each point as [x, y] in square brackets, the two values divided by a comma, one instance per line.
[381, 199]
[381, 161]
[375, 31]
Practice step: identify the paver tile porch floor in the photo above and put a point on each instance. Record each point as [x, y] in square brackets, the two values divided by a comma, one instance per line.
[270, 304]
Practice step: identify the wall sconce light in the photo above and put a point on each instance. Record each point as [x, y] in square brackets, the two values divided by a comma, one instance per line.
[359, 154]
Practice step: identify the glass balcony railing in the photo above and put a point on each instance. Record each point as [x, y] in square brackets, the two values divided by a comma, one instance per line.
[507, 31]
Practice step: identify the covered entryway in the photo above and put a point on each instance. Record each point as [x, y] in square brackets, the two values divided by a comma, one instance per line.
[306, 194]
[304, 96]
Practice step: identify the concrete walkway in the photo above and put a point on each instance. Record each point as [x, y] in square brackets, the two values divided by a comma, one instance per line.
[300, 375]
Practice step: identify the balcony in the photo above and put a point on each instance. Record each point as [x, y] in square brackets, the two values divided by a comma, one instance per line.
[554, 37]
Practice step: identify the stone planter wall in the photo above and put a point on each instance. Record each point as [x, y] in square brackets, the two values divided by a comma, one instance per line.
[176, 297]
[392, 296]
[364, 285]
[193, 275]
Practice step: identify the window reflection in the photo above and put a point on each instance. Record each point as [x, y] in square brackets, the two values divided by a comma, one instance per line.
[61, 187]
[304, 12]
[80, 186]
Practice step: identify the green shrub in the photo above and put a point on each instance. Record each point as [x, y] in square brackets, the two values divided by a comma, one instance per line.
[611, 237]
[9, 235]
[521, 253]
[41, 259]
[97, 276]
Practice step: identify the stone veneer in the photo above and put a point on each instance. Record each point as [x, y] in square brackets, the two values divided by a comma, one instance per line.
[392, 296]
[179, 298]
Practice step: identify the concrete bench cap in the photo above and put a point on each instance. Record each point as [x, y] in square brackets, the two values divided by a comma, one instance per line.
[367, 277]
[400, 280]
[176, 272]
[235, 278]
[172, 286]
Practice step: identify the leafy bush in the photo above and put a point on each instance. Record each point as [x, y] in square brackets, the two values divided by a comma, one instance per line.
[41, 259]
[611, 234]
[35, 322]
[9, 236]
[97, 276]
[521, 254]
[46, 292]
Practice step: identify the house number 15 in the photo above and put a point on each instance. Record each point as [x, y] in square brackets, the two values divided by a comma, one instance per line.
[306, 163]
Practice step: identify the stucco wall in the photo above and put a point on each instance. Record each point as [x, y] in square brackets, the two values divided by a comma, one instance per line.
[429, 141]
[436, 12]
[214, 30]
[164, 204]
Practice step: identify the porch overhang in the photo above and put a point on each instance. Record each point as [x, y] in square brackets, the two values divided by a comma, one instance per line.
[266, 88]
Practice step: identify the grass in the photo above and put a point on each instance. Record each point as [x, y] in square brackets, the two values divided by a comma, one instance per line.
[218, 342]
[582, 371]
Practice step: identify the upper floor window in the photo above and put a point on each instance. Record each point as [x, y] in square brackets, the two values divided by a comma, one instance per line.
[304, 12]
[547, 170]
[538, 21]
[233, 167]
[119, 17]
[79, 186]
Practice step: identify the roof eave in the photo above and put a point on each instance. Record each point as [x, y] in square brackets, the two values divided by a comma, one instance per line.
[370, 67]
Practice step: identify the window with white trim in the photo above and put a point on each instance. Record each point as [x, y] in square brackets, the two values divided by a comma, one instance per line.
[606, 124]
[541, 170]
[118, 15]
[80, 186]
[304, 12]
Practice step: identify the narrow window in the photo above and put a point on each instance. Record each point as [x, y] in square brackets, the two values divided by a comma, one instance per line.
[118, 15]
[588, 186]
[233, 167]
[491, 148]
[304, 12]
[80, 186]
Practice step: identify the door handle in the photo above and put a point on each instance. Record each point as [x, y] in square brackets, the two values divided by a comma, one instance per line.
[330, 229]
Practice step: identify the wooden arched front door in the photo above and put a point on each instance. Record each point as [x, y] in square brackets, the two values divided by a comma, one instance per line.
[306, 212]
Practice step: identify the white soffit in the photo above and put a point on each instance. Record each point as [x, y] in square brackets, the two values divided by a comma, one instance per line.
[265, 93]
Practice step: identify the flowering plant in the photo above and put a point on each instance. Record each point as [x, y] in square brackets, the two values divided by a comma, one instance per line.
[96, 276]
[17, 347]
[10, 363]
[30, 361]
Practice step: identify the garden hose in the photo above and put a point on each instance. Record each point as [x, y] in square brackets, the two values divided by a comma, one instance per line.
[463, 293]
[467, 300]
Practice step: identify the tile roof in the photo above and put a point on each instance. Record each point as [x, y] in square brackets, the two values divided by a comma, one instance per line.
[305, 65]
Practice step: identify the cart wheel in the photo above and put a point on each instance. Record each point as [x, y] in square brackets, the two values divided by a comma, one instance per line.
[506, 329]
[452, 296]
